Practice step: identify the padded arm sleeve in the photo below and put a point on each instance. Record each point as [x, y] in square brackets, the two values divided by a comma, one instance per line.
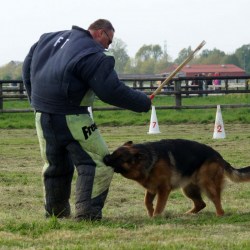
[107, 86]
[26, 71]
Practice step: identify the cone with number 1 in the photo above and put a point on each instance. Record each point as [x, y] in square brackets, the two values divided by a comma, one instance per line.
[154, 126]
[219, 131]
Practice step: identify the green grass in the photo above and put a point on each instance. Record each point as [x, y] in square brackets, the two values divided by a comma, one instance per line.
[168, 116]
[125, 224]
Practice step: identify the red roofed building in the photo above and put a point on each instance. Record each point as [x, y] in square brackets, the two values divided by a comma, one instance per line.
[205, 69]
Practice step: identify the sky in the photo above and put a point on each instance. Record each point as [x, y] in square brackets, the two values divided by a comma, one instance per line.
[177, 24]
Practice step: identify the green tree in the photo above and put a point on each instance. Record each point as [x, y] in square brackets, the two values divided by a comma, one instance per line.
[11, 71]
[118, 50]
[130, 67]
[156, 52]
[144, 53]
[183, 54]
[148, 58]
[147, 67]
[149, 52]
[163, 62]
[231, 59]
[243, 55]
[214, 56]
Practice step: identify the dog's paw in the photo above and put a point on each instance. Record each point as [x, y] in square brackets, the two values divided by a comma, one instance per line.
[157, 215]
[150, 213]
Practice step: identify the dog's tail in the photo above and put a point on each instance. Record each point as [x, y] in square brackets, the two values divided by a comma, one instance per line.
[237, 175]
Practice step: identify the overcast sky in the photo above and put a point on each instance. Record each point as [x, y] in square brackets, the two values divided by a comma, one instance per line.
[223, 24]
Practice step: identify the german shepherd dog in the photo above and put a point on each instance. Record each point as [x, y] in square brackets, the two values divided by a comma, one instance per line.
[165, 165]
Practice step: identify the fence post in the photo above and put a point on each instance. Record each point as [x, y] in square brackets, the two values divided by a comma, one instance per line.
[1, 96]
[246, 84]
[226, 84]
[177, 88]
[186, 84]
[21, 88]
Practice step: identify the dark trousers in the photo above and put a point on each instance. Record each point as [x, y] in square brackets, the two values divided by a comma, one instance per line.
[69, 142]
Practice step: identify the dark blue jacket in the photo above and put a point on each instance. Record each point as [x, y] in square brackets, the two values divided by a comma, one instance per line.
[63, 66]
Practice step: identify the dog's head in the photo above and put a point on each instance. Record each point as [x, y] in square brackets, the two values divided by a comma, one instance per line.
[133, 161]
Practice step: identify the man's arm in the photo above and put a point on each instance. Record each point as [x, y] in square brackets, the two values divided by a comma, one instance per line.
[107, 86]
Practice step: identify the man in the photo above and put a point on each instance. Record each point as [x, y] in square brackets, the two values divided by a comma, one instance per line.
[62, 73]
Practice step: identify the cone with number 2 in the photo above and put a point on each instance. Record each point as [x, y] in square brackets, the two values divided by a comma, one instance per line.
[219, 131]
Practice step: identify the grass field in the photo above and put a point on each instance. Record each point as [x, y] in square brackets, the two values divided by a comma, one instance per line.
[128, 118]
[125, 224]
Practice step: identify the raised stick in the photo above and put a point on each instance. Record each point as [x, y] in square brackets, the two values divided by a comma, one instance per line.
[188, 59]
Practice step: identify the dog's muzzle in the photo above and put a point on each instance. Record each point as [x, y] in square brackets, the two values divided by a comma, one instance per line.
[107, 160]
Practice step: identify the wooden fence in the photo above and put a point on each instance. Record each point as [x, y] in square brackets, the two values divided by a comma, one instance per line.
[180, 87]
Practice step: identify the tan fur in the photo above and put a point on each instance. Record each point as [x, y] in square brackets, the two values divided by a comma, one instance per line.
[159, 176]
[162, 180]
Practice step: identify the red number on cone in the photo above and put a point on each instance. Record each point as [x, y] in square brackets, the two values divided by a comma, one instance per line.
[219, 128]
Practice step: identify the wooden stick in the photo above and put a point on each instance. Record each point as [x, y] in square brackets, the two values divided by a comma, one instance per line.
[188, 59]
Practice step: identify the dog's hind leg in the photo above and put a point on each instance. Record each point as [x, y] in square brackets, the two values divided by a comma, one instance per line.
[211, 180]
[193, 192]
[214, 194]
[148, 200]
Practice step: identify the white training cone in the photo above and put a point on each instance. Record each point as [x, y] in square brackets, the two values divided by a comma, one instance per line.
[153, 127]
[219, 131]
[90, 112]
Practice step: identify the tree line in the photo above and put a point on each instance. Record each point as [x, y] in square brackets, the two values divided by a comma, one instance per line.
[152, 59]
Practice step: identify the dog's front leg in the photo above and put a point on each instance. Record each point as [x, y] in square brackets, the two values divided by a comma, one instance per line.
[148, 200]
[162, 197]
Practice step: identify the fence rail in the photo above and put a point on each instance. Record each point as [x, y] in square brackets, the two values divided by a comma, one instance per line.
[180, 87]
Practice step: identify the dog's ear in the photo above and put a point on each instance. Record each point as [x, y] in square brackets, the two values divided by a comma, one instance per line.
[128, 143]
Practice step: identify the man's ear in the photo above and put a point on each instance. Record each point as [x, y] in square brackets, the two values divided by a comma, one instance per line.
[128, 143]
